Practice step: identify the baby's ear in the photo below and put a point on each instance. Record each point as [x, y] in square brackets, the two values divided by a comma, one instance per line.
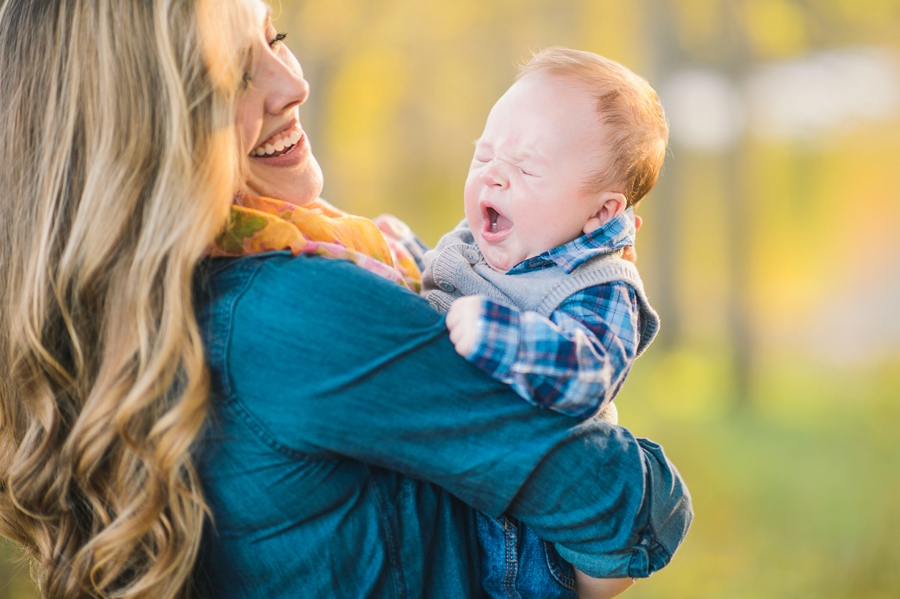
[610, 204]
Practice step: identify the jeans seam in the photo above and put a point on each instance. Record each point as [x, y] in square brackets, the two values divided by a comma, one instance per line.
[558, 574]
[511, 571]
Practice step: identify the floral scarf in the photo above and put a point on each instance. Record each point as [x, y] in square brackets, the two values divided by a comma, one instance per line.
[258, 225]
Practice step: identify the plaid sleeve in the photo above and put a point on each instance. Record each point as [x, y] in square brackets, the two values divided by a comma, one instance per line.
[574, 362]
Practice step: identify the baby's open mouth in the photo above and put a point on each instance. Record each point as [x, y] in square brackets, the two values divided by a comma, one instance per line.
[495, 223]
[280, 143]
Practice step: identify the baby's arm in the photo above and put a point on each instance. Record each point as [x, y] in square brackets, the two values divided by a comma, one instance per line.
[573, 362]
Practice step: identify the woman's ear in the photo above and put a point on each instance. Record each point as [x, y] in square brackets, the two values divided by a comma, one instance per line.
[610, 204]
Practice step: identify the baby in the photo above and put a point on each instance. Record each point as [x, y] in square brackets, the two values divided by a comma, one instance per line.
[533, 283]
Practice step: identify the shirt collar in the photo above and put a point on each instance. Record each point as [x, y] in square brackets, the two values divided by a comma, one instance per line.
[616, 234]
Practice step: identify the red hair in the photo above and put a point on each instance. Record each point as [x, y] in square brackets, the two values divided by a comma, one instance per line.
[635, 132]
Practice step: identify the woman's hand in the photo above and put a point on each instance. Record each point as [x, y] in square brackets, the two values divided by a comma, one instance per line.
[588, 587]
[629, 253]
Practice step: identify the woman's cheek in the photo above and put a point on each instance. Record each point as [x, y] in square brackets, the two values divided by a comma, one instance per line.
[249, 115]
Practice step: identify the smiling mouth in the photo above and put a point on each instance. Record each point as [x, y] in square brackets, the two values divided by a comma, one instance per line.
[279, 144]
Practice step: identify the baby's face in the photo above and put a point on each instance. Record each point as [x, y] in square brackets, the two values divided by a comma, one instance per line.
[525, 192]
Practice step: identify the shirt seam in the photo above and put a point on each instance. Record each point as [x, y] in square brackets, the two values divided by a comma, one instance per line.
[252, 422]
[226, 345]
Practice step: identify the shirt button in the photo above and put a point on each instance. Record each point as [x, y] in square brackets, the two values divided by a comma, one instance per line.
[447, 286]
[471, 255]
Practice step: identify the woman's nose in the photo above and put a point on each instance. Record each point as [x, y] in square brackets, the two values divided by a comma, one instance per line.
[288, 88]
[495, 175]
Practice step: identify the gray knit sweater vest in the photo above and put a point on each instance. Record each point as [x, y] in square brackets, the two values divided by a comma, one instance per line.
[456, 268]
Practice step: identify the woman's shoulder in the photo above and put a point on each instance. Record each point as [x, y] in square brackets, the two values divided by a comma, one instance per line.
[287, 286]
[277, 300]
[281, 271]
[283, 275]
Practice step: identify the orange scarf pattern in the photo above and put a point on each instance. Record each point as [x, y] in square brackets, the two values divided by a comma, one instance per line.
[257, 225]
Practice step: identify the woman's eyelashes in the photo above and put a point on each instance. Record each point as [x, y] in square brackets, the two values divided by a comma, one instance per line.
[273, 43]
[279, 37]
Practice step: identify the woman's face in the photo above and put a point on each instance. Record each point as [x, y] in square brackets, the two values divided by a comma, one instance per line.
[281, 164]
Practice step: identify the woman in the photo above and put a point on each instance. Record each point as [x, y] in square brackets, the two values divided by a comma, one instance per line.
[344, 439]
[123, 167]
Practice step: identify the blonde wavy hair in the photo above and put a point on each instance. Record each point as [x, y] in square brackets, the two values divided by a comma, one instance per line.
[118, 162]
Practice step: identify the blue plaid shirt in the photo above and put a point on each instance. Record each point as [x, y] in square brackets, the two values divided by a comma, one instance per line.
[576, 361]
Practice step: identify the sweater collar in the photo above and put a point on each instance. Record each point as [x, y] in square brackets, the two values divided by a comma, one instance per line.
[615, 235]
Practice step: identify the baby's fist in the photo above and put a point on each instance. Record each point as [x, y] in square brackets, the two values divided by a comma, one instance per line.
[462, 322]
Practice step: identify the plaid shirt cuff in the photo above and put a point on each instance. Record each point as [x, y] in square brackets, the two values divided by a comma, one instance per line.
[496, 339]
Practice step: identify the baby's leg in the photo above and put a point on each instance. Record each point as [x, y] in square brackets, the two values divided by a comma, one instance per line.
[600, 588]
[516, 563]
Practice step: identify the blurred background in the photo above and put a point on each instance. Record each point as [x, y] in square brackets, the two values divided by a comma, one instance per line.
[769, 246]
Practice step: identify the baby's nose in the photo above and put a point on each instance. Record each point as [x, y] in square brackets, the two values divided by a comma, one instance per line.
[495, 175]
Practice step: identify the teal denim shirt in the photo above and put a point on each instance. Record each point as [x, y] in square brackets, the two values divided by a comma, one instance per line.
[347, 443]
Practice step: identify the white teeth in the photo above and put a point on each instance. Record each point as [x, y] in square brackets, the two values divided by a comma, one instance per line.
[279, 145]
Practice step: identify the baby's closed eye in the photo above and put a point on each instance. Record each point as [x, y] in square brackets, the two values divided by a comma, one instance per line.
[528, 170]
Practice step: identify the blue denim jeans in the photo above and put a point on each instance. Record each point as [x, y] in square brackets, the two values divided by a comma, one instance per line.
[516, 564]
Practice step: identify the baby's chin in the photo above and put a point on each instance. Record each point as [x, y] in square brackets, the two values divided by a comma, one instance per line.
[497, 257]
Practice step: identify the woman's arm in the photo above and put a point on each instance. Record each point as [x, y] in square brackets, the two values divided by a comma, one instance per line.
[332, 360]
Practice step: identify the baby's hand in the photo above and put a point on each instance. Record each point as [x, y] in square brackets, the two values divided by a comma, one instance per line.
[462, 322]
